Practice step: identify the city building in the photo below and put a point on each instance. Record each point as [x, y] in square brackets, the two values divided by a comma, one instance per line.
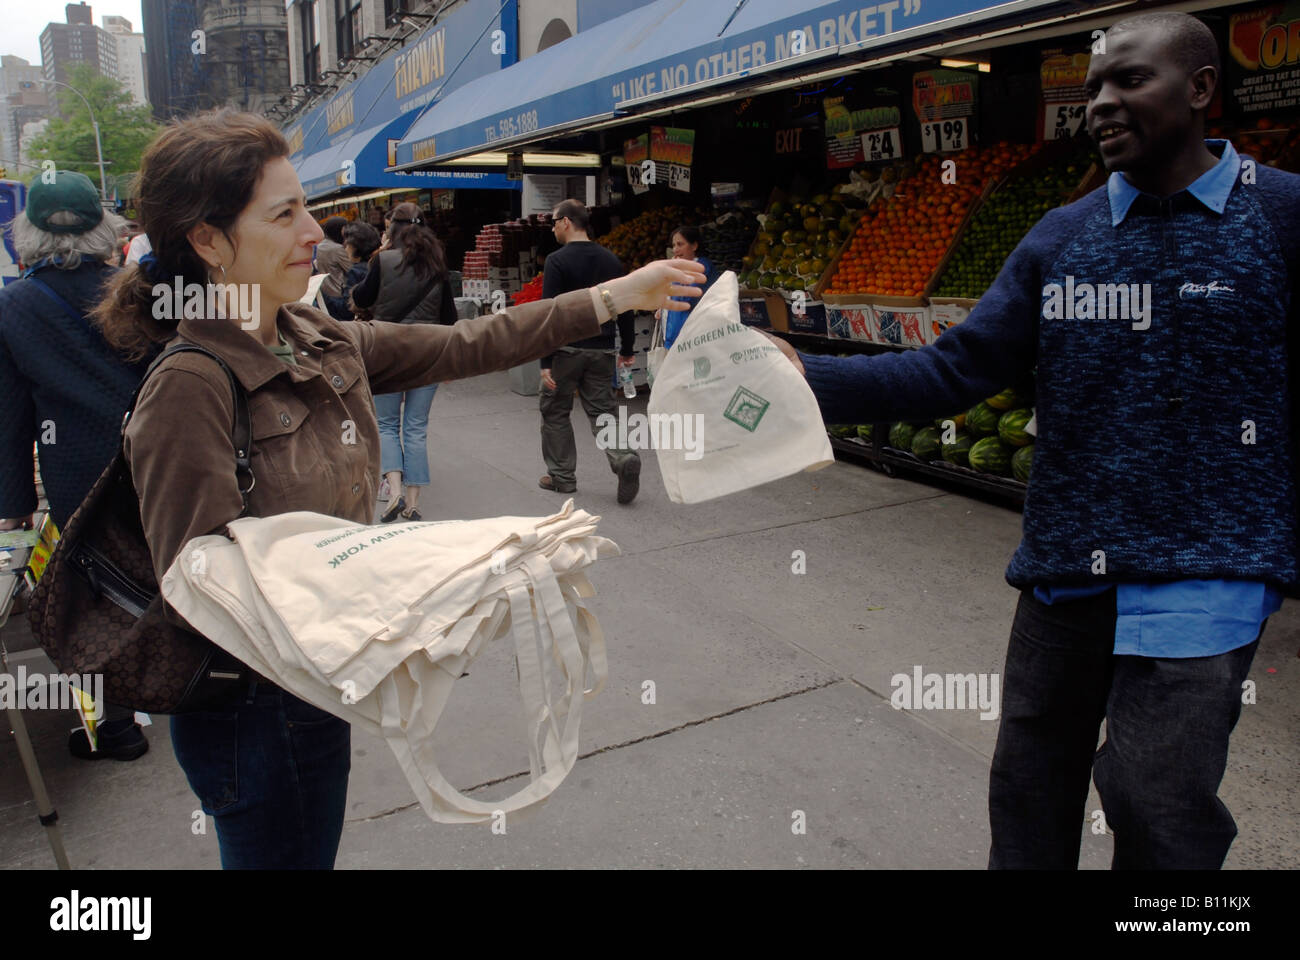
[64, 45]
[130, 57]
[24, 99]
[203, 53]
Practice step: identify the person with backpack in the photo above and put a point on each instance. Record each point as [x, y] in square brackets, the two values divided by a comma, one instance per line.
[407, 282]
[61, 386]
[360, 241]
[225, 212]
[1160, 314]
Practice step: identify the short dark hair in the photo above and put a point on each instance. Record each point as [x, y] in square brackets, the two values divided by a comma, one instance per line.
[333, 227]
[688, 233]
[1190, 40]
[363, 237]
[577, 213]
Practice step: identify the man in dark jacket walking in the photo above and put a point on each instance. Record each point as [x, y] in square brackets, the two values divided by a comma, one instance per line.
[61, 386]
[587, 366]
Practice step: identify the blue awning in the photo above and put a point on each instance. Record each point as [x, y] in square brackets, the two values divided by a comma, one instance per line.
[654, 54]
[344, 142]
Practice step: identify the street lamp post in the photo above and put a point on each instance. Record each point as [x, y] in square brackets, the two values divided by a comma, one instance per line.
[99, 151]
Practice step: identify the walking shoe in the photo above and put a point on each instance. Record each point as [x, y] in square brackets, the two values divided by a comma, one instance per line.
[546, 483]
[413, 515]
[392, 512]
[127, 744]
[629, 479]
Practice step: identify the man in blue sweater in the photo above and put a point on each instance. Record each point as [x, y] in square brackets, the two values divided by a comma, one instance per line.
[1159, 527]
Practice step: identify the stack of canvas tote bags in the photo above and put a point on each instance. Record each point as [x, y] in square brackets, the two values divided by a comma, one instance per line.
[375, 625]
[753, 415]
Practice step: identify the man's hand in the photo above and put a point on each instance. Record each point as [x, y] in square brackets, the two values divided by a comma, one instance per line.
[791, 354]
[626, 361]
[547, 380]
[17, 523]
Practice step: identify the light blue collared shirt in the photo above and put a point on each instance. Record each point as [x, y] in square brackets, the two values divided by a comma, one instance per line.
[1186, 618]
[1212, 187]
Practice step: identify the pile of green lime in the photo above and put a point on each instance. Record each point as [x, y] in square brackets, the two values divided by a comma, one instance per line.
[1002, 222]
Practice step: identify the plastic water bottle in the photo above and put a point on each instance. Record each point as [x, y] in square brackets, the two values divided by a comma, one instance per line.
[625, 378]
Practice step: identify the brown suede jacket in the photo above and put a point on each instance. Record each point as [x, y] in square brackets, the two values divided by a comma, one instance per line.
[315, 438]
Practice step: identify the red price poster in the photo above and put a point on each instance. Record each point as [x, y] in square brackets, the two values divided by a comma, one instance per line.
[1064, 102]
[1264, 58]
[672, 145]
[944, 101]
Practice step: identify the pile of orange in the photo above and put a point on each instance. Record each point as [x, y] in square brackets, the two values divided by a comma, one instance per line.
[899, 242]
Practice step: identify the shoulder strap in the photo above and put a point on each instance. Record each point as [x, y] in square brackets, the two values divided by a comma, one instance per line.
[49, 291]
[242, 430]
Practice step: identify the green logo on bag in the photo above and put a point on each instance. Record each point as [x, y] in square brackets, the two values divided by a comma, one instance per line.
[746, 409]
[701, 367]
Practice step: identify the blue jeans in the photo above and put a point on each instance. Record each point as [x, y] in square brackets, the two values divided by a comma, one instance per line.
[272, 772]
[1167, 727]
[403, 432]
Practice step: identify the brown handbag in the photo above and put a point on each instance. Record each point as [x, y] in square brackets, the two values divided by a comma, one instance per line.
[97, 610]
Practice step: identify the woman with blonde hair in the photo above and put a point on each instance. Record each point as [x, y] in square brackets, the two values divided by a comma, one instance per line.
[224, 209]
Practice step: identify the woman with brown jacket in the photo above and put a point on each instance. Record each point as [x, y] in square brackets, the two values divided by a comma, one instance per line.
[223, 209]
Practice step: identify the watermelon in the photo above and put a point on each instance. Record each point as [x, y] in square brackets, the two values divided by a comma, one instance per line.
[990, 455]
[1011, 427]
[901, 434]
[959, 419]
[864, 431]
[1005, 400]
[959, 450]
[1021, 461]
[926, 445]
[982, 420]
[842, 430]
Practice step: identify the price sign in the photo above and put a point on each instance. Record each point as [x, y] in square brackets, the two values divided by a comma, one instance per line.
[944, 136]
[1061, 121]
[882, 145]
[679, 177]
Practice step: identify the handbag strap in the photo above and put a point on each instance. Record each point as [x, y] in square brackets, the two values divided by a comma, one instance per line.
[242, 430]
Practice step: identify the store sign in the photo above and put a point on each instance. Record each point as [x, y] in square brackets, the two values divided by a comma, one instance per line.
[1064, 102]
[944, 100]
[880, 145]
[1264, 58]
[672, 145]
[944, 136]
[870, 133]
[679, 177]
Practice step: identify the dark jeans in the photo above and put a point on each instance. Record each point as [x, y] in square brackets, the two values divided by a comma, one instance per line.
[591, 373]
[272, 772]
[1158, 773]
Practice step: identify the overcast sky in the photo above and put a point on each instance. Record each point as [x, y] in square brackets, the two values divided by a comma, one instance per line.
[25, 19]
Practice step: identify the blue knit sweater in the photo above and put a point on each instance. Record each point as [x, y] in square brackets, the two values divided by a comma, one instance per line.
[1141, 415]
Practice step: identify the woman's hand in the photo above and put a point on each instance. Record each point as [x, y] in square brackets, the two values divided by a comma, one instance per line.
[654, 286]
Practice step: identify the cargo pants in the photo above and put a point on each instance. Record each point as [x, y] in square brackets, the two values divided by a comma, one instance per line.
[591, 374]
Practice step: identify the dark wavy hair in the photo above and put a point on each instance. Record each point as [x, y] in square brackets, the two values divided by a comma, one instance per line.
[203, 169]
[363, 237]
[421, 249]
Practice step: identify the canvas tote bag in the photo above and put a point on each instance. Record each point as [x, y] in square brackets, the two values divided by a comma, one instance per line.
[757, 418]
[376, 623]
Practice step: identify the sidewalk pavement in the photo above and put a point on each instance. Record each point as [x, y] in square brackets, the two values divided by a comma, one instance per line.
[771, 690]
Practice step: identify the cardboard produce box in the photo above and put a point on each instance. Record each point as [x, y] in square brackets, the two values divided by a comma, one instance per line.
[849, 321]
[899, 326]
[947, 312]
